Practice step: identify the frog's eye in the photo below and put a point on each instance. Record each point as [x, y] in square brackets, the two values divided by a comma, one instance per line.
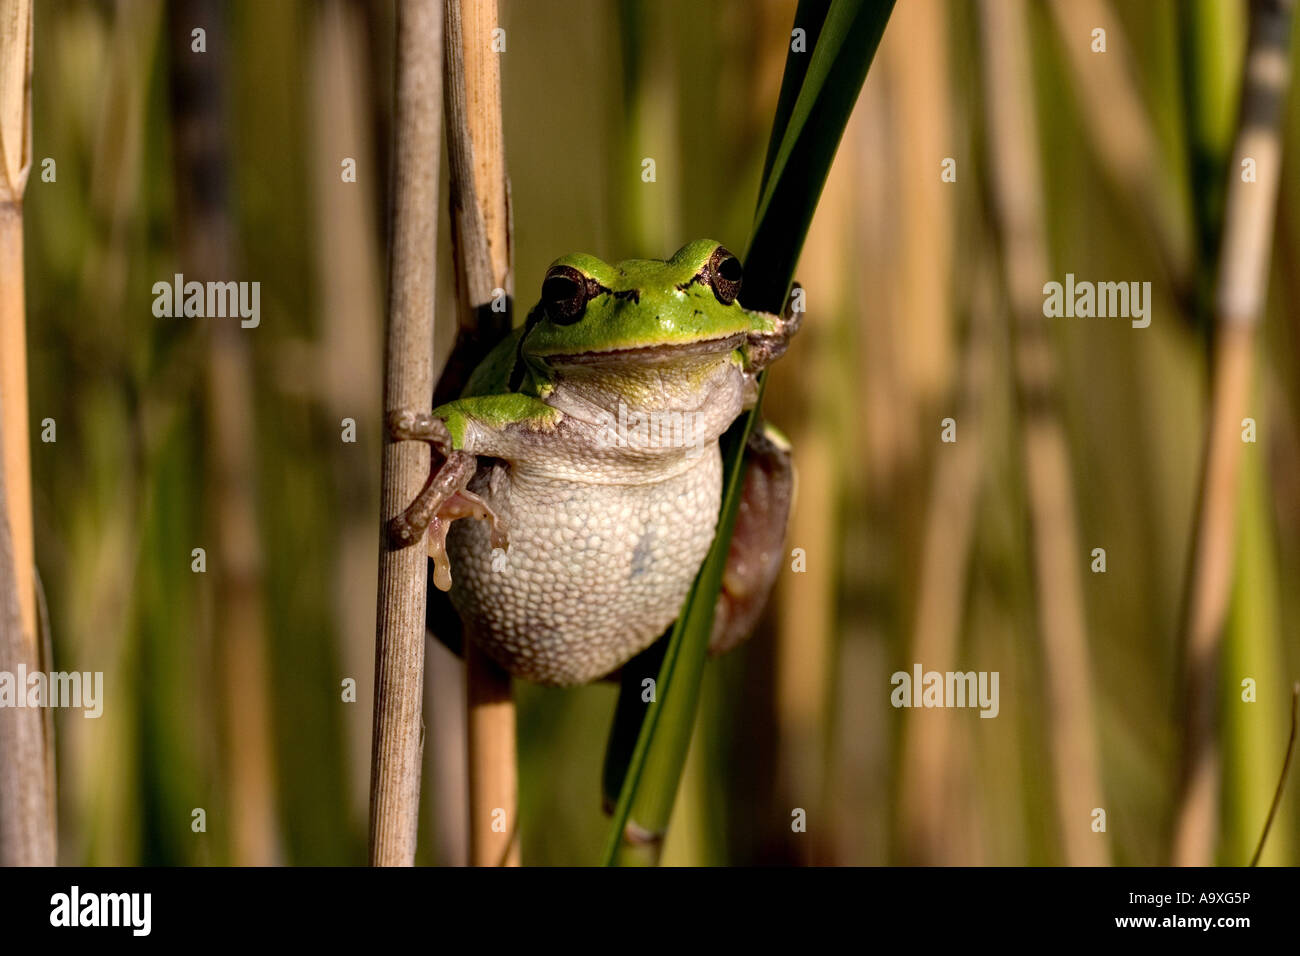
[724, 274]
[564, 295]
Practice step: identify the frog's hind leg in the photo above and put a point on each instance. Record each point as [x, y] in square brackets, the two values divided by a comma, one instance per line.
[444, 497]
[757, 543]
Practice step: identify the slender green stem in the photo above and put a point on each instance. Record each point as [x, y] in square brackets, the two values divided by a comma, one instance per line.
[1281, 780]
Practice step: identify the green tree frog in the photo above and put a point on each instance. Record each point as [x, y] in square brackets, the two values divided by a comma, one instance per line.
[586, 445]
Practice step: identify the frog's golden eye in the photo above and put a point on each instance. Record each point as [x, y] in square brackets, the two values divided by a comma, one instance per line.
[565, 292]
[724, 274]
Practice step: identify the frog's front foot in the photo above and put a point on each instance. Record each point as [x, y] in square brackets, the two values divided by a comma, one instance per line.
[444, 497]
[764, 348]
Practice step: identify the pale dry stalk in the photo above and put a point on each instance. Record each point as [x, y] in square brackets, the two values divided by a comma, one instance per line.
[480, 200]
[408, 384]
[27, 828]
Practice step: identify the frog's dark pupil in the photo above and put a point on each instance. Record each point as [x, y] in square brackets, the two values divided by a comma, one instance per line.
[724, 273]
[564, 294]
[560, 288]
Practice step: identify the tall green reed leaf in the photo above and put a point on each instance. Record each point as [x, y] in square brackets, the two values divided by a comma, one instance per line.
[817, 95]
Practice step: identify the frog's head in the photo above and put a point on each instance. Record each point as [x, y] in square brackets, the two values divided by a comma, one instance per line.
[642, 310]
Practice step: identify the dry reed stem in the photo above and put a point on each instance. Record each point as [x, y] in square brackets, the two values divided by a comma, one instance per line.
[27, 828]
[27, 835]
[480, 200]
[15, 160]
[408, 384]
[1019, 209]
[493, 781]
[1244, 258]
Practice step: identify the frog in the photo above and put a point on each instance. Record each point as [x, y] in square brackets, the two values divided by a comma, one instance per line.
[576, 480]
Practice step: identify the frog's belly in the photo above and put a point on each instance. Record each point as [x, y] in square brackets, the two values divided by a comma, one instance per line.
[594, 573]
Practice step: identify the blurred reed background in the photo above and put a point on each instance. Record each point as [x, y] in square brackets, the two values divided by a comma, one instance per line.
[224, 689]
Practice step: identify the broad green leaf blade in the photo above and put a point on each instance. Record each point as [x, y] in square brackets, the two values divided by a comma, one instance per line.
[809, 18]
[842, 37]
[836, 70]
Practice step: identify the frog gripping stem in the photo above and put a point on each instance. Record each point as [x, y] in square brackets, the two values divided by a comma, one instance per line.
[444, 482]
[445, 496]
[765, 348]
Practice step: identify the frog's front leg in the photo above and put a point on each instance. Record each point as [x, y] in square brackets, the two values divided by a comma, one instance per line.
[444, 497]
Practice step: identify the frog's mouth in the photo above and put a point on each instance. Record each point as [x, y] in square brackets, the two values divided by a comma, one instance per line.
[652, 354]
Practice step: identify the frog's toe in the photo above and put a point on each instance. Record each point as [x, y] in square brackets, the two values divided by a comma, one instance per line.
[462, 504]
[404, 532]
[764, 348]
[408, 424]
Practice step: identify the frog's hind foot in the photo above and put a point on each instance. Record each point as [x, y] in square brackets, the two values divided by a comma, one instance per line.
[462, 504]
[445, 483]
[754, 559]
